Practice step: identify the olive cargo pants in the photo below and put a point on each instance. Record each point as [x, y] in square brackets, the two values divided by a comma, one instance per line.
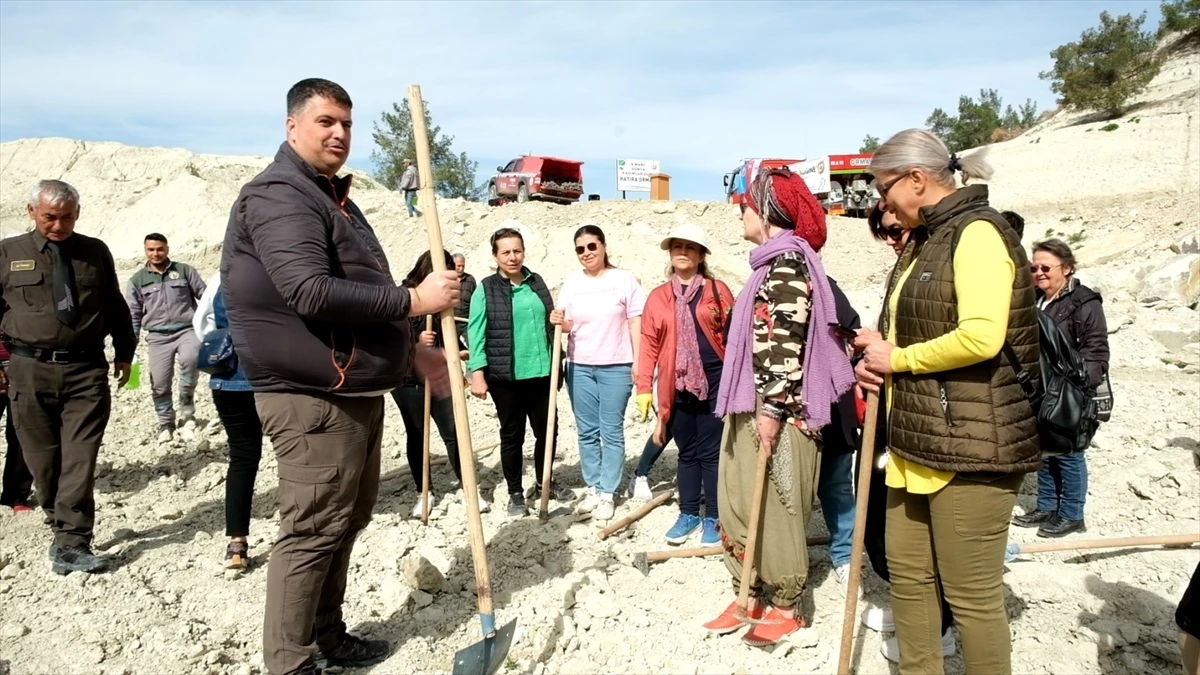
[167, 349]
[60, 412]
[327, 449]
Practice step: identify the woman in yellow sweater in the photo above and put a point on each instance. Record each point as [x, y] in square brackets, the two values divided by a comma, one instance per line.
[961, 434]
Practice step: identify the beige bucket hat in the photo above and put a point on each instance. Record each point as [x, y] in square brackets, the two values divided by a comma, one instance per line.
[687, 232]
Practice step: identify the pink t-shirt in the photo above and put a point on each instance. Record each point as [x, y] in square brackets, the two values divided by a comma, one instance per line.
[599, 309]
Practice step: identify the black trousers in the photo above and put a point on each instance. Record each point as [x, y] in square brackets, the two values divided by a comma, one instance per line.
[697, 433]
[411, 401]
[518, 401]
[17, 481]
[245, 432]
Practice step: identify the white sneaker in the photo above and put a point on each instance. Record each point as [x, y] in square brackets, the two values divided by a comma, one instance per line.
[639, 489]
[842, 572]
[879, 619]
[891, 647]
[484, 506]
[590, 501]
[606, 509]
[433, 501]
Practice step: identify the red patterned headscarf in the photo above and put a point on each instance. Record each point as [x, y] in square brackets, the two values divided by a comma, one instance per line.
[786, 196]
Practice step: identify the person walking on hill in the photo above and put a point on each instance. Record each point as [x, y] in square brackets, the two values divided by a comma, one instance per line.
[162, 298]
[683, 340]
[511, 337]
[17, 481]
[785, 367]
[961, 432]
[61, 298]
[410, 398]
[319, 326]
[467, 283]
[1079, 312]
[234, 401]
[409, 184]
[600, 309]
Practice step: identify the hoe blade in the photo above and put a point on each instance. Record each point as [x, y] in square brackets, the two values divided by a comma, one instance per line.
[486, 656]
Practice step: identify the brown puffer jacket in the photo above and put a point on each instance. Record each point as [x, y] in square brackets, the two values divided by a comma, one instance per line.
[977, 418]
[312, 304]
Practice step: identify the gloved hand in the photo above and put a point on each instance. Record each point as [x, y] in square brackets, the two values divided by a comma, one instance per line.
[643, 406]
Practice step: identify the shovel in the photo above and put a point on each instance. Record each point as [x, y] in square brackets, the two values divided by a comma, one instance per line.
[425, 454]
[755, 524]
[486, 656]
[1013, 550]
[551, 418]
[866, 459]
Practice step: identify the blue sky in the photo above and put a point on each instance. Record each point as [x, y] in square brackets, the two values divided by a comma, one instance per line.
[697, 86]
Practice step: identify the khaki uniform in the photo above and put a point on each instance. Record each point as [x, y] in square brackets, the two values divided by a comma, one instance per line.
[58, 375]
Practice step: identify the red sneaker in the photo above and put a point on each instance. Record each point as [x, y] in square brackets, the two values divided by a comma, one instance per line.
[728, 621]
[21, 507]
[774, 628]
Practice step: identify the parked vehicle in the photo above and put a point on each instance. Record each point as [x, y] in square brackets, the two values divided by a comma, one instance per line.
[845, 187]
[536, 177]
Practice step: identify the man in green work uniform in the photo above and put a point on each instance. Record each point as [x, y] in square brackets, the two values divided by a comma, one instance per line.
[162, 298]
[61, 298]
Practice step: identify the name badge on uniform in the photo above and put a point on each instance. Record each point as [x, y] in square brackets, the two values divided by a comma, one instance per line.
[21, 265]
[926, 276]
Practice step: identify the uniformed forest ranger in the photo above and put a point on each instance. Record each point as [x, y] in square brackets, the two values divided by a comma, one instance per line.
[162, 298]
[61, 299]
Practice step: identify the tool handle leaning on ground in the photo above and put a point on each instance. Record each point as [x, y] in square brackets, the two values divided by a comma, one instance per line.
[754, 525]
[1115, 542]
[702, 551]
[551, 420]
[433, 228]
[636, 515]
[425, 451]
[866, 461]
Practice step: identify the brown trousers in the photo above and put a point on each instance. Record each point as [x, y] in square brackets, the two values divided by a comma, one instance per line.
[60, 412]
[327, 448]
[959, 532]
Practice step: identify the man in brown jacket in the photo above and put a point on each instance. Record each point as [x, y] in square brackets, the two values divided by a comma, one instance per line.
[319, 326]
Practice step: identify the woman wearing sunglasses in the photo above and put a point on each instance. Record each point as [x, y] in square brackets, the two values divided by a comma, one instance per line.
[785, 367]
[1079, 312]
[961, 433]
[600, 309]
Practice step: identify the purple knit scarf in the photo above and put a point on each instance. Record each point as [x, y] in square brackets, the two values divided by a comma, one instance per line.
[827, 372]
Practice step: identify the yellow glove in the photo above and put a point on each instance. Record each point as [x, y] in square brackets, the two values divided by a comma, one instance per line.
[643, 405]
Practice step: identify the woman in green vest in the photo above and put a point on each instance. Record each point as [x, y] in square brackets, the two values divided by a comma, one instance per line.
[508, 329]
[961, 433]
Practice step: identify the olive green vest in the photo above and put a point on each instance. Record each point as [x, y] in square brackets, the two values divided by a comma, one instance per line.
[975, 418]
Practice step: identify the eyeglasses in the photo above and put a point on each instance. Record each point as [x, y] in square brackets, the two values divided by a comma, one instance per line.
[894, 232]
[1033, 269]
[591, 246]
[886, 187]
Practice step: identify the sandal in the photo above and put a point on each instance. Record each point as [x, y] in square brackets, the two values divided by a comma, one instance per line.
[237, 555]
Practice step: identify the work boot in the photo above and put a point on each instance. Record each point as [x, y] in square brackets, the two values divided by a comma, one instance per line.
[1060, 527]
[76, 559]
[355, 652]
[516, 505]
[1034, 517]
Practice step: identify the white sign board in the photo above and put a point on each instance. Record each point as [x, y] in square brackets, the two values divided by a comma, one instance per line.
[633, 175]
[815, 173]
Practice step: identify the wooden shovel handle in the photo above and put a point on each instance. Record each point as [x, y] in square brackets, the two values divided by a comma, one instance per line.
[636, 515]
[1113, 542]
[551, 418]
[865, 462]
[425, 450]
[755, 524]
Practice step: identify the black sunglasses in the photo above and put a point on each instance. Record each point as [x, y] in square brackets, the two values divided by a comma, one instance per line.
[893, 232]
[591, 246]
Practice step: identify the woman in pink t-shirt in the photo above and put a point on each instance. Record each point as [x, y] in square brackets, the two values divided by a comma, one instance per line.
[600, 309]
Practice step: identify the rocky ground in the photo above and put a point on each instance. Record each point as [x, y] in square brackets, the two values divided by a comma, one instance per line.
[1126, 199]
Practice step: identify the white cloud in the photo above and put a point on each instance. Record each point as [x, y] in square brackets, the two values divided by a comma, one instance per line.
[697, 85]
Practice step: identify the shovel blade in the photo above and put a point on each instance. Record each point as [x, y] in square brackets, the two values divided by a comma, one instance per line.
[486, 656]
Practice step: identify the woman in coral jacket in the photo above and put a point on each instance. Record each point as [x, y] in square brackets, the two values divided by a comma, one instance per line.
[683, 328]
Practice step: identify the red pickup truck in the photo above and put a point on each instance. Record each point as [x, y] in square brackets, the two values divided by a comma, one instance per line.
[533, 177]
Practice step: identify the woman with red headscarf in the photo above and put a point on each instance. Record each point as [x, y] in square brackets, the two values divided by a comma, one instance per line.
[785, 367]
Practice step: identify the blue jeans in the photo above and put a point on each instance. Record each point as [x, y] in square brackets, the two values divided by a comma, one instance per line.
[835, 489]
[599, 395]
[1062, 485]
[410, 202]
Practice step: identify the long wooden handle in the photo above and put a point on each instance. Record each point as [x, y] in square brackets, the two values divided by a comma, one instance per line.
[659, 556]
[1115, 542]
[551, 418]
[755, 524]
[433, 228]
[636, 515]
[866, 460]
[425, 451]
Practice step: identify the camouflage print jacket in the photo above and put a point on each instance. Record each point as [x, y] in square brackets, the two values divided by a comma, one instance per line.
[781, 310]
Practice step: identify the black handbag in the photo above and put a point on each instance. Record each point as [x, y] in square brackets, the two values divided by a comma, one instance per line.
[216, 353]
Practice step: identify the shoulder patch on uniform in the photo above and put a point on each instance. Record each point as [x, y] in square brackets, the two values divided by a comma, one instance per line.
[21, 265]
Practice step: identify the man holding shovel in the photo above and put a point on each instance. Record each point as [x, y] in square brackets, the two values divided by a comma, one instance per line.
[319, 326]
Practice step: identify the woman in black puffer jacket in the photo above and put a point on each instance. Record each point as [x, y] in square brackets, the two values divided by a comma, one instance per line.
[1079, 312]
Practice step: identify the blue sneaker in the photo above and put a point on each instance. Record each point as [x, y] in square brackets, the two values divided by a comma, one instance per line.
[683, 528]
[710, 537]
